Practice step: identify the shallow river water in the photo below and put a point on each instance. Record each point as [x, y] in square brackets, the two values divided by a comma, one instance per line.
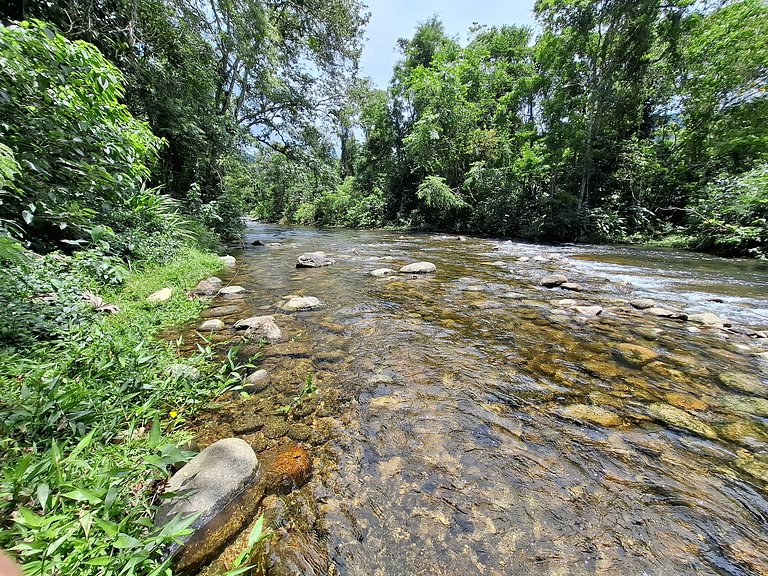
[471, 421]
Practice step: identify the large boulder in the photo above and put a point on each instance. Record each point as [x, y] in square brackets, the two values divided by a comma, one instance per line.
[419, 268]
[228, 260]
[260, 327]
[314, 260]
[222, 485]
[553, 280]
[301, 303]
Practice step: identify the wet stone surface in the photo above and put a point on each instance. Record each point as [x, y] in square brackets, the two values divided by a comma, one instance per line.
[472, 421]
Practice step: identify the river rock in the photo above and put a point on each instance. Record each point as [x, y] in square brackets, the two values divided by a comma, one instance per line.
[567, 302]
[749, 404]
[260, 326]
[301, 303]
[257, 243]
[523, 259]
[743, 382]
[592, 414]
[314, 260]
[540, 258]
[664, 313]
[634, 354]
[230, 290]
[256, 382]
[218, 311]
[589, 310]
[571, 286]
[228, 260]
[418, 268]
[207, 287]
[744, 432]
[213, 325]
[707, 319]
[685, 401]
[642, 303]
[212, 484]
[381, 272]
[681, 419]
[289, 470]
[247, 423]
[160, 296]
[553, 280]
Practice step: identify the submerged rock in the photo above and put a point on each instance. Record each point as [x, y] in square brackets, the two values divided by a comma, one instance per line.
[592, 414]
[214, 484]
[745, 433]
[301, 303]
[220, 311]
[314, 260]
[160, 296]
[289, 470]
[634, 354]
[553, 280]
[681, 419]
[748, 404]
[260, 326]
[381, 272]
[257, 381]
[685, 401]
[418, 268]
[743, 382]
[213, 325]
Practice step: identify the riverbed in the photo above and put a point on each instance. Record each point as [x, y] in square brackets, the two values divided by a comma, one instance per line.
[472, 421]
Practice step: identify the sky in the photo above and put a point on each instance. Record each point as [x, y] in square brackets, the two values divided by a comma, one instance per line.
[393, 19]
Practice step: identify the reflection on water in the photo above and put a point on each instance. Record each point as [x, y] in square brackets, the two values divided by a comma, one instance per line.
[482, 427]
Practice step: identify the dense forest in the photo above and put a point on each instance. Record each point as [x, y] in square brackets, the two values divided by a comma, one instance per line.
[135, 134]
[618, 121]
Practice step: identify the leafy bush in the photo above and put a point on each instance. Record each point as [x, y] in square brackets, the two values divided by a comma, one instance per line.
[80, 152]
[731, 217]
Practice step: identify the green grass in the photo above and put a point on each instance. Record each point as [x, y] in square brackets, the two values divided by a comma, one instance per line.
[90, 424]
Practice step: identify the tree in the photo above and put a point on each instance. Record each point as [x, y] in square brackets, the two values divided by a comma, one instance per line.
[79, 151]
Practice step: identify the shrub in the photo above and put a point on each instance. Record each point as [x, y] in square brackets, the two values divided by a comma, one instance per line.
[79, 150]
[731, 217]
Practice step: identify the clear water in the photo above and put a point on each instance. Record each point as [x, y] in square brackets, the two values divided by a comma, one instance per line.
[457, 404]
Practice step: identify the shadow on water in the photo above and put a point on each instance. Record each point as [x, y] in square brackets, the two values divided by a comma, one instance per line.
[474, 422]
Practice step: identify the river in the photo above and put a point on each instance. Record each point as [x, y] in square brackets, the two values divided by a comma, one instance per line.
[472, 421]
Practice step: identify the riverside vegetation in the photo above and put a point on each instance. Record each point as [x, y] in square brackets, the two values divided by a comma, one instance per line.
[134, 135]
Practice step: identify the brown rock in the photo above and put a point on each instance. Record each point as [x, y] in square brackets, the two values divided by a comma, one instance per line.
[289, 470]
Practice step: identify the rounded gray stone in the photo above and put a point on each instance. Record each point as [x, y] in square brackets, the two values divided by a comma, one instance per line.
[418, 268]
